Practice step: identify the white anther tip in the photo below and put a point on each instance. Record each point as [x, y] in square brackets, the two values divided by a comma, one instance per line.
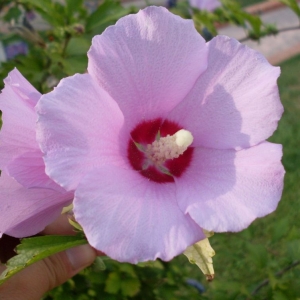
[183, 138]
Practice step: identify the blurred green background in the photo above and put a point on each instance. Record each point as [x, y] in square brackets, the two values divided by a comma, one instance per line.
[260, 262]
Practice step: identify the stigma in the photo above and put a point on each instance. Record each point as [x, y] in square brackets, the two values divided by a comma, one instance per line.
[169, 147]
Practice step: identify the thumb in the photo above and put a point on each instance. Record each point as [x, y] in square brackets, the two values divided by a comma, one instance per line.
[33, 282]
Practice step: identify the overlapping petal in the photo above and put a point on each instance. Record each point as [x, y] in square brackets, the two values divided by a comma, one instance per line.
[78, 130]
[148, 62]
[29, 170]
[17, 102]
[130, 218]
[29, 199]
[25, 212]
[235, 102]
[225, 190]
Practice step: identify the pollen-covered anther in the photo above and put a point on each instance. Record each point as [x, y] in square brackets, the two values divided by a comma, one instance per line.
[169, 147]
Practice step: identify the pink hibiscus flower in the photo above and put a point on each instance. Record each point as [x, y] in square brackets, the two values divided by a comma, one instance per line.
[209, 5]
[164, 136]
[29, 199]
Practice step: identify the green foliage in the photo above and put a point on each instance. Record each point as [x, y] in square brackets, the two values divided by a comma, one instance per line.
[150, 280]
[34, 249]
[51, 11]
[106, 14]
[73, 7]
[12, 14]
[60, 50]
[249, 2]
[293, 5]
[230, 12]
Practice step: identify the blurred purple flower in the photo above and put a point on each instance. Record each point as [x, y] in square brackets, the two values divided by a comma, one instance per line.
[15, 48]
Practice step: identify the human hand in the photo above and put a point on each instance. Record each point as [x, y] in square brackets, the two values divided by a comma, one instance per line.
[37, 279]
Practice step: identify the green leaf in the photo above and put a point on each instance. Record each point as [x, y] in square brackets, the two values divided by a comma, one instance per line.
[280, 229]
[34, 249]
[278, 295]
[73, 6]
[204, 19]
[52, 12]
[258, 254]
[130, 286]
[76, 225]
[13, 14]
[78, 46]
[99, 264]
[75, 64]
[255, 23]
[273, 280]
[293, 5]
[201, 254]
[128, 269]
[113, 283]
[152, 264]
[108, 12]
[293, 249]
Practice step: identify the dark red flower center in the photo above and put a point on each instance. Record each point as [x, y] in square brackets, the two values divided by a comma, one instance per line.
[143, 136]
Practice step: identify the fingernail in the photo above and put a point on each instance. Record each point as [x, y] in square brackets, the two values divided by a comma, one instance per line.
[81, 256]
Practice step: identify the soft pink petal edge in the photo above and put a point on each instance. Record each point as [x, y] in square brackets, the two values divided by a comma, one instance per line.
[132, 219]
[148, 62]
[235, 103]
[17, 102]
[78, 129]
[25, 212]
[225, 190]
[29, 170]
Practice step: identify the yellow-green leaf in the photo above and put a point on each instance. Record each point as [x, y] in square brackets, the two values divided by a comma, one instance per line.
[67, 209]
[76, 225]
[201, 254]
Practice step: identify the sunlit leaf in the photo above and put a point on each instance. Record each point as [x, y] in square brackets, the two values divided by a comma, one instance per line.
[107, 13]
[34, 249]
[113, 283]
[130, 286]
[293, 5]
[201, 254]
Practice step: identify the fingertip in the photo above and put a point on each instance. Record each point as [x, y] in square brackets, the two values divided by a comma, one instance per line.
[81, 257]
[60, 226]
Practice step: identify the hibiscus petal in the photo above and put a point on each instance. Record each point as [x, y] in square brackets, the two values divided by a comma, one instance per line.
[25, 212]
[17, 102]
[78, 129]
[132, 219]
[225, 190]
[235, 102]
[29, 170]
[148, 62]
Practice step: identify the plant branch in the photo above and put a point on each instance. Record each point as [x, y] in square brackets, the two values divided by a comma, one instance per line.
[66, 42]
[279, 30]
[278, 274]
